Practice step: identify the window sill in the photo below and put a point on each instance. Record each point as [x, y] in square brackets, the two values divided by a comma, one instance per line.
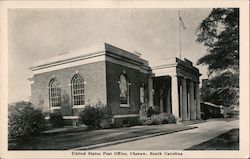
[78, 106]
[124, 105]
[53, 108]
[70, 117]
[126, 115]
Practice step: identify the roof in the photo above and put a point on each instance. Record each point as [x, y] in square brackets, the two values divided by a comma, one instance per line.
[86, 53]
[70, 55]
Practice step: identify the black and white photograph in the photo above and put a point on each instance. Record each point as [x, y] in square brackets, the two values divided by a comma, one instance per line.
[125, 82]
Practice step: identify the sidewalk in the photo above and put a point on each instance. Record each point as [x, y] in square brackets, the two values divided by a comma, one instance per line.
[180, 140]
[65, 139]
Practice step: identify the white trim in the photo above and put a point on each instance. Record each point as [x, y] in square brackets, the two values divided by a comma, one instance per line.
[78, 106]
[68, 64]
[164, 71]
[70, 117]
[126, 115]
[65, 58]
[96, 57]
[52, 108]
[129, 84]
[128, 64]
[64, 117]
[124, 105]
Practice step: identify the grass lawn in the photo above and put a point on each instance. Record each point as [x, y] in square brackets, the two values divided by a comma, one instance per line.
[226, 141]
[74, 139]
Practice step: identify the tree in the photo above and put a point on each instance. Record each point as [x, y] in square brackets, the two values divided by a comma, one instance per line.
[219, 32]
[25, 120]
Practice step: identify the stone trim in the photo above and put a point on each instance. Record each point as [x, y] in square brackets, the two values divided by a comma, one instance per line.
[49, 63]
[126, 115]
[64, 117]
[70, 117]
[78, 106]
[109, 53]
[88, 60]
[124, 105]
[68, 64]
[129, 64]
[53, 108]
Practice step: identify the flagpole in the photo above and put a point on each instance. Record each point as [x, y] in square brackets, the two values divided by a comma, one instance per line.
[179, 35]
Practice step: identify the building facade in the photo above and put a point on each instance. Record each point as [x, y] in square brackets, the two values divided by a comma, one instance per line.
[122, 80]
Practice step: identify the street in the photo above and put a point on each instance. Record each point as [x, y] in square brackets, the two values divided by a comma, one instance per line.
[180, 140]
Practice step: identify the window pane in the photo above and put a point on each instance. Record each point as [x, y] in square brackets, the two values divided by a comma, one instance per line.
[54, 91]
[78, 90]
[123, 84]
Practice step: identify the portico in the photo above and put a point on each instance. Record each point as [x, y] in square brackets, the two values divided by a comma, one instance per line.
[176, 88]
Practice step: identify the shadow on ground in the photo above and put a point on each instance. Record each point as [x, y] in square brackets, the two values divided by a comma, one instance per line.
[226, 141]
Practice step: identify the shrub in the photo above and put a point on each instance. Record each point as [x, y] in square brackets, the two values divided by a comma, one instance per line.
[143, 120]
[56, 120]
[156, 119]
[167, 118]
[106, 123]
[107, 110]
[92, 116]
[170, 119]
[25, 120]
[151, 111]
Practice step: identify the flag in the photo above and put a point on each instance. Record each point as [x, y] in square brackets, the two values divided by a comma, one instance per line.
[181, 22]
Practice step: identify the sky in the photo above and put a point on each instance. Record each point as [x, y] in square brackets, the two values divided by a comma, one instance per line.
[35, 34]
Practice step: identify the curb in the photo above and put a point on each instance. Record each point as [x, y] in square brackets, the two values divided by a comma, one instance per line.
[193, 123]
[90, 147]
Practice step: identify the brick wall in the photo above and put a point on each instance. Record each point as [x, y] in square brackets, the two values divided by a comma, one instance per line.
[95, 87]
[99, 87]
[135, 77]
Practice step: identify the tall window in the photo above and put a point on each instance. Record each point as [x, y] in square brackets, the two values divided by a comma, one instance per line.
[54, 93]
[124, 90]
[78, 90]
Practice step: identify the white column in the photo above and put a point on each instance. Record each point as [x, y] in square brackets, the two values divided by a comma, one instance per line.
[168, 102]
[192, 104]
[198, 107]
[161, 100]
[174, 95]
[188, 104]
[150, 92]
[184, 98]
[181, 100]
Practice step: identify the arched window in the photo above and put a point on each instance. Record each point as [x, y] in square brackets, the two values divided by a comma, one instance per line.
[124, 90]
[78, 90]
[54, 93]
